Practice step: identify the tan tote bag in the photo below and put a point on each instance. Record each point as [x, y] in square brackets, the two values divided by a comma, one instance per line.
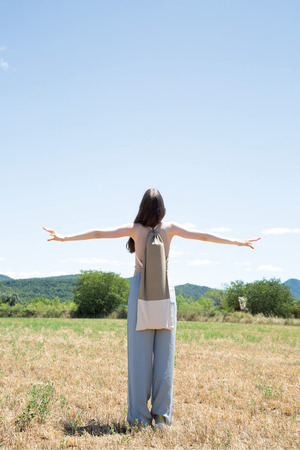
[154, 304]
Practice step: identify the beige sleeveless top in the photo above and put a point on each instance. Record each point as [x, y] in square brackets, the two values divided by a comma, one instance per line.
[138, 263]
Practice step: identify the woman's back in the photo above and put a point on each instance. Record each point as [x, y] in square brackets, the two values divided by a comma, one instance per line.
[140, 239]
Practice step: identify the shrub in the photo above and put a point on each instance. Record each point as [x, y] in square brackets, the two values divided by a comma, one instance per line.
[296, 308]
[268, 297]
[99, 293]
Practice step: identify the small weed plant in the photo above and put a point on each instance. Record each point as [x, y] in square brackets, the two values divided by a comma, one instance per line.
[38, 404]
[269, 391]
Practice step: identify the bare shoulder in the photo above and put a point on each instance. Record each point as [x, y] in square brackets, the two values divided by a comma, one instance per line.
[139, 230]
[135, 229]
[167, 227]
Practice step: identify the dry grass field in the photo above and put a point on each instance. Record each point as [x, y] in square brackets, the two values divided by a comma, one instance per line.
[63, 384]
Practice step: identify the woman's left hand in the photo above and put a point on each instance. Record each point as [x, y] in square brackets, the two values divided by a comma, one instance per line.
[248, 242]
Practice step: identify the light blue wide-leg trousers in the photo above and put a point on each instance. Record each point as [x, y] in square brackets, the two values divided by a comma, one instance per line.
[150, 365]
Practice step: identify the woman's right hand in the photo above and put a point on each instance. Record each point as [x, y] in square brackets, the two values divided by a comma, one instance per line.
[54, 236]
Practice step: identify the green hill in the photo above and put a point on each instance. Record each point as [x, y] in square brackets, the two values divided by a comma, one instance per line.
[294, 285]
[191, 290]
[4, 278]
[5, 289]
[48, 287]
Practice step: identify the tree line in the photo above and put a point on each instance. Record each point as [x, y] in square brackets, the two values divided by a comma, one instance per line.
[98, 294]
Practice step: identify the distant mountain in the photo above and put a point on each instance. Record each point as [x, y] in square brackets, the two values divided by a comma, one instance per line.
[48, 287]
[4, 278]
[191, 290]
[294, 285]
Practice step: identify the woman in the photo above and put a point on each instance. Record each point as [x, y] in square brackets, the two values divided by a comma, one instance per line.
[150, 352]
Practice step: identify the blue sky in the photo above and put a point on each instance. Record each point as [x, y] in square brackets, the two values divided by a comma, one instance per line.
[102, 100]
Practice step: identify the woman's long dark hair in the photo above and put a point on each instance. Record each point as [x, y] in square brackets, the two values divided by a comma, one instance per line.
[151, 212]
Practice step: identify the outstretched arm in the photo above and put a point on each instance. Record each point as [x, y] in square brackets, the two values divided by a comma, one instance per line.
[179, 230]
[123, 230]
